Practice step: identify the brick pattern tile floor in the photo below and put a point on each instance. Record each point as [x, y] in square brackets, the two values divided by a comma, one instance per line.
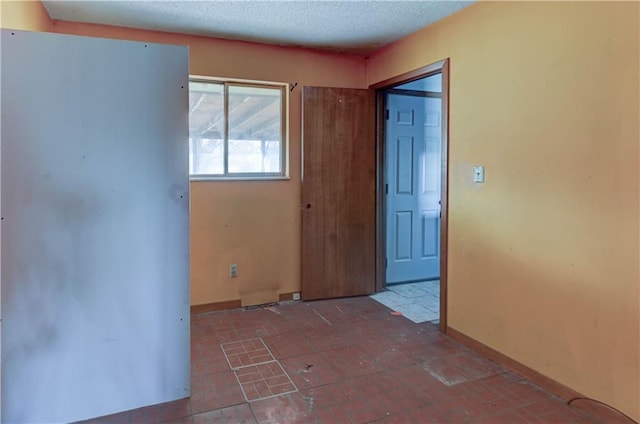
[246, 352]
[264, 380]
[350, 361]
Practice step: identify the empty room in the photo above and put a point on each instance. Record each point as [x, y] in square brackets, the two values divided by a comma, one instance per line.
[320, 212]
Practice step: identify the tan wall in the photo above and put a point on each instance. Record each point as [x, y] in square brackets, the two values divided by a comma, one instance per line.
[24, 15]
[256, 225]
[543, 258]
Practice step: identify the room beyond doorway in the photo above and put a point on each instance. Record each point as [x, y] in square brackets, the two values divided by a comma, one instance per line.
[418, 302]
[413, 133]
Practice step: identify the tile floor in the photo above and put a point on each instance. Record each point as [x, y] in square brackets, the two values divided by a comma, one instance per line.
[343, 361]
[419, 302]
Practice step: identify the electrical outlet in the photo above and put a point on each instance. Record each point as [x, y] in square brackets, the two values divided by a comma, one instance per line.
[233, 270]
[296, 296]
[478, 174]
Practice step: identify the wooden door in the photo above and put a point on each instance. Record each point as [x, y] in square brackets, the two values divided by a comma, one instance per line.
[338, 193]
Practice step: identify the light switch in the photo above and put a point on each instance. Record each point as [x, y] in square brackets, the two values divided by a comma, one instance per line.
[478, 174]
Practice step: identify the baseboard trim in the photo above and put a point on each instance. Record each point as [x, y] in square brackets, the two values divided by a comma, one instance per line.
[216, 306]
[230, 304]
[537, 378]
[565, 393]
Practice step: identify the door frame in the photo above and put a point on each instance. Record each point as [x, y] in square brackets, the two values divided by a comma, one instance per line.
[441, 67]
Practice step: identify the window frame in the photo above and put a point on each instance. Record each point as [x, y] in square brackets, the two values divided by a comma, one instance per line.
[284, 125]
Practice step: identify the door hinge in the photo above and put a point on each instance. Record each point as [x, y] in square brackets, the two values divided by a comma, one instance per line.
[386, 189]
[386, 114]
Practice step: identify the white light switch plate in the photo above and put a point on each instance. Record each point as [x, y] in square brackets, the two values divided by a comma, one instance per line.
[478, 174]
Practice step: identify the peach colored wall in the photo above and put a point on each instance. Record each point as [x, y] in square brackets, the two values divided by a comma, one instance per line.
[24, 15]
[543, 257]
[254, 224]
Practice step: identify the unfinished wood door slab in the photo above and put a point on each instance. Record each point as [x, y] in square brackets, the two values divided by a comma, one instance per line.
[338, 193]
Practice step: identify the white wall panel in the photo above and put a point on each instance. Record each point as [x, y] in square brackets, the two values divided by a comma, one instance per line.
[95, 277]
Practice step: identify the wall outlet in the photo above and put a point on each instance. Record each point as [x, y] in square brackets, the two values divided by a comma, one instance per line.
[478, 174]
[233, 270]
[296, 296]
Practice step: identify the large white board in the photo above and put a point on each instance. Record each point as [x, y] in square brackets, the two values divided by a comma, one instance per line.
[94, 241]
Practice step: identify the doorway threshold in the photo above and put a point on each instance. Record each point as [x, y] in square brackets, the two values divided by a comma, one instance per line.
[418, 302]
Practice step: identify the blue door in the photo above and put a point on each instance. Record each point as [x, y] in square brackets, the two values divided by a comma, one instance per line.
[413, 152]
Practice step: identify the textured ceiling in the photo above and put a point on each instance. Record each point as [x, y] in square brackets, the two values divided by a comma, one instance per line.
[350, 26]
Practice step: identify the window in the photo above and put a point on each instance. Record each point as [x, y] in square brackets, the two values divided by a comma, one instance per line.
[236, 130]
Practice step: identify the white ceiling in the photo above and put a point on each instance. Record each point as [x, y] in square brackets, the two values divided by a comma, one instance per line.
[347, 26]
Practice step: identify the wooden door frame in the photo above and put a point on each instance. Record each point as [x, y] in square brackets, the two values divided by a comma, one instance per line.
[441, 67]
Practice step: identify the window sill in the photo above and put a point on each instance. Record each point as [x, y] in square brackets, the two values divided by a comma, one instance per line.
[205, 178]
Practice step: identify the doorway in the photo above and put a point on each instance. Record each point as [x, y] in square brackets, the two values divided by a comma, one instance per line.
[412, 206]
[413, 149]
